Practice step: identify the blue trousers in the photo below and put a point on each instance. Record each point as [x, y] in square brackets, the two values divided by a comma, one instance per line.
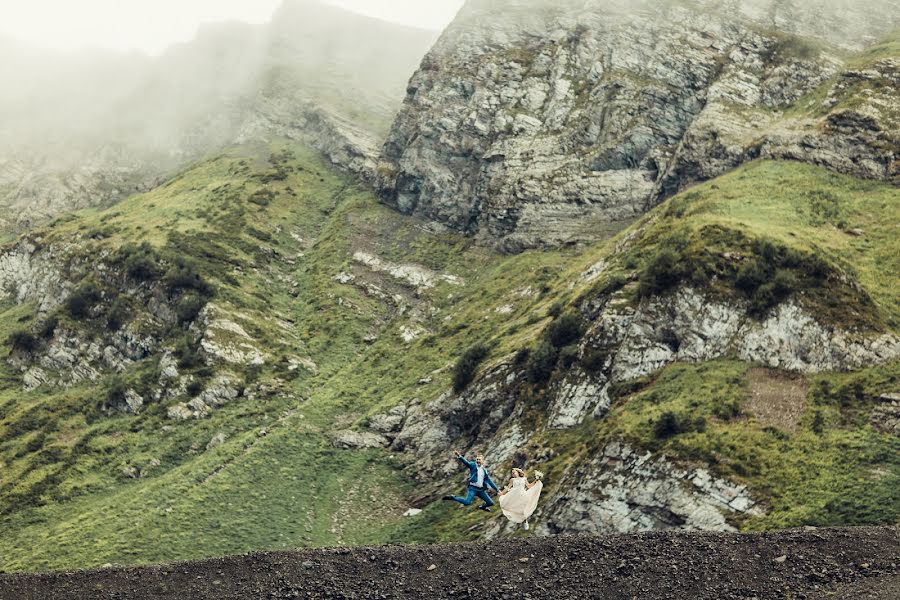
[471, 493]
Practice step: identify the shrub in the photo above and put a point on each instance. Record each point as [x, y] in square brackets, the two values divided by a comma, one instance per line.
[262, 197]
[568, 355]
[662, 273]
[521, 356]
[727, 410]
[670, 424]
[564, 330]
[556, 309]
[79, 304]
[189, 307]
[750, 276]
[188, 352]
[115, 395]
[23, 340]
[183, 275]
[593, 361]
[818, 422]
[541, 362]
[259, 234]
[464, 371]
[194, 388]
[141, 262]
[118, 315]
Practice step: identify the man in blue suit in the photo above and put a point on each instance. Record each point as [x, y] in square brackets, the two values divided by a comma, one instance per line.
[479, 482]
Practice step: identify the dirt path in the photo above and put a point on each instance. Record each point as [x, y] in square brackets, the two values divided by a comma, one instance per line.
[795, 564]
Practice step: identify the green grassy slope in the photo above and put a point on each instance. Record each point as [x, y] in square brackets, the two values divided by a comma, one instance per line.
[272, 227]
[806, 446]
[289, 487]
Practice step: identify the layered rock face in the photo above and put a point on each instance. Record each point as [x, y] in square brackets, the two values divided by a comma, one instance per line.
[621, 488]
[545, 123]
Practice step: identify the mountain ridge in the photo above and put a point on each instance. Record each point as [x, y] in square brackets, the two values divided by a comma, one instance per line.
[260, 352]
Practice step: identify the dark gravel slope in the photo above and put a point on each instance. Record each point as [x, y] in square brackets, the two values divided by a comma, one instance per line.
[807, 563]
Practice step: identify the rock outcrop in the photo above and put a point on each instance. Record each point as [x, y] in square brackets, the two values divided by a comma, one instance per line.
[622, 488]
[539, 123]
[625, 491]
[29, 273]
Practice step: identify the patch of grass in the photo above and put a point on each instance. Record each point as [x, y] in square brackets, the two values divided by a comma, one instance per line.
[82, 300]
[834, 469]
[776, 230]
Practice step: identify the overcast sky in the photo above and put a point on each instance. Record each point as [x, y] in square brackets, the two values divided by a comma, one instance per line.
[152, 25]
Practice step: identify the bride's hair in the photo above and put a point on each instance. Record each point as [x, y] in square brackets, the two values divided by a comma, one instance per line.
[521, 472]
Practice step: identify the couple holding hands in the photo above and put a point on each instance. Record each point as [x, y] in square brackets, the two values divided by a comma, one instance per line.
[518, 499]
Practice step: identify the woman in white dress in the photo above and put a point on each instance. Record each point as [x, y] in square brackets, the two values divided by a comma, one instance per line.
[520, 497]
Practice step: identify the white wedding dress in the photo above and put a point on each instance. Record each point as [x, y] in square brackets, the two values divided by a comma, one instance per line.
[519, 502]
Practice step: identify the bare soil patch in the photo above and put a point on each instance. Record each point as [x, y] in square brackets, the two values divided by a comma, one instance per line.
[776, 398]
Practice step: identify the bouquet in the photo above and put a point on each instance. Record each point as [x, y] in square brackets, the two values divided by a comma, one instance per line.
[538, 474]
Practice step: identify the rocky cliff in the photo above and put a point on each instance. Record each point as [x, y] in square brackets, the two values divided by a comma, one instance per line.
[545, 123]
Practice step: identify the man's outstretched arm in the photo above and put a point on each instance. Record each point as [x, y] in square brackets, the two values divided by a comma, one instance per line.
[463, 460]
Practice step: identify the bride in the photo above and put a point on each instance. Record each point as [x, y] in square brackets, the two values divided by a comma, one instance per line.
[520, 497]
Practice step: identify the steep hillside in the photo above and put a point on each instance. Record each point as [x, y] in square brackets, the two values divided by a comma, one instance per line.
[535, 123]
[276, 304]
[89, 129]
[260, 352]
[274, 366]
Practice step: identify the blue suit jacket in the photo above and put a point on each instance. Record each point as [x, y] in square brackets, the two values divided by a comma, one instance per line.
[473, 473]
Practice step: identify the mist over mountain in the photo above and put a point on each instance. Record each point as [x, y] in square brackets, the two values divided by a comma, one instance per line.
[88, 128]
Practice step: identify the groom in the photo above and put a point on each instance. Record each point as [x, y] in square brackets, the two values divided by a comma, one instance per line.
[479, 481]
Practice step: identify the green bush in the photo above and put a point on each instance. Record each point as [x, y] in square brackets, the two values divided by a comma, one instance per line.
[141, 262]
[556, 309]
[593, 361]
[189, 307]
[188, 352]
[82, 300]
[262, 197]
[564, 330]
[464, 371]
[48, 327]
[115, 394]
[23, 340]
[750, 276]
[727, 410]
[568, 355]
[541, 362]
[521, 356]
[194, 388]
[670, 424]
[558, 346]
[663, 272]
[183, 275]
[118, 315]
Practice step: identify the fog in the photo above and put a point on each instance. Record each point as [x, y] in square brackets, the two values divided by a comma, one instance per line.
[151, 26]
[122, 115]
[84, 97]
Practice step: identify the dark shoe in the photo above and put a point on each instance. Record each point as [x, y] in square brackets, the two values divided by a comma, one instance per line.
[447, 498]
[485, 508]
